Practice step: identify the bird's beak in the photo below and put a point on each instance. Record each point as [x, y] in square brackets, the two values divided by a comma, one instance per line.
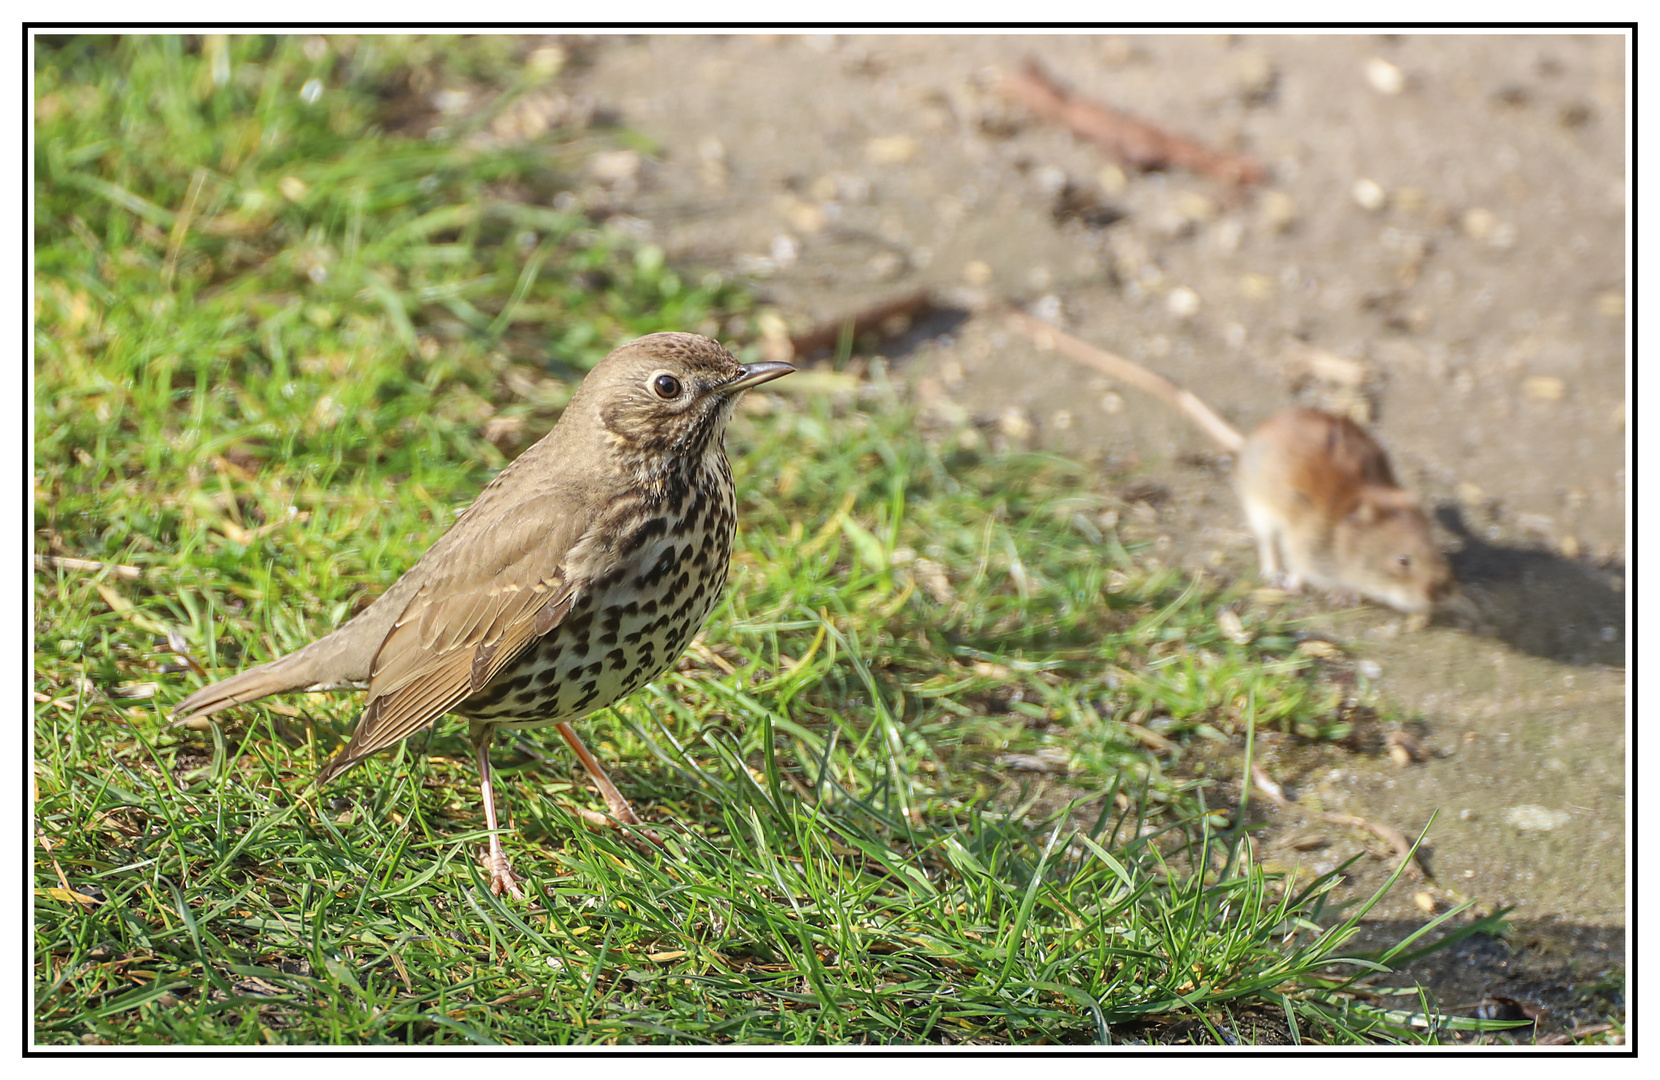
[757, 373]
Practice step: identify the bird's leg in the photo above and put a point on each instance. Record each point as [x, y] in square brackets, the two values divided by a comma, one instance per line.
[613, 798]
[502, 877]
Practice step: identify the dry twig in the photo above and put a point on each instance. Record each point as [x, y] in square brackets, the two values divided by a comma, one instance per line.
[1387, 833]
[1134, 142]
[889, 319]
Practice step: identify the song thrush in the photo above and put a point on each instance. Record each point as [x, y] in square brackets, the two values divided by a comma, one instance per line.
[577, 575]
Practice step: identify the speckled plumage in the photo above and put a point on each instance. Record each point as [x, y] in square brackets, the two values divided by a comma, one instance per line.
[577, 575]
[638, 617]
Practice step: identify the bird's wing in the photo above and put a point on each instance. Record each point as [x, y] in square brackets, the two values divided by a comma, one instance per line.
[472, 616]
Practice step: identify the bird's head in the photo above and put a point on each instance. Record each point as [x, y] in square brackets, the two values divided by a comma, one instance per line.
[665, 399]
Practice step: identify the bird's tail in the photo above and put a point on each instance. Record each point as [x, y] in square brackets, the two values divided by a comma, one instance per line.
[297, 671]
[339, 661]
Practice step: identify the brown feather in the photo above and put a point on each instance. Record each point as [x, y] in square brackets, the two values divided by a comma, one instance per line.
[405, 697]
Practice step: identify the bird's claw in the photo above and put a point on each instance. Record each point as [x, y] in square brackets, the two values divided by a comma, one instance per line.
[502, 877]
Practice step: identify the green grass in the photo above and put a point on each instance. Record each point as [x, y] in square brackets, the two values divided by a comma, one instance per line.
[278, 344]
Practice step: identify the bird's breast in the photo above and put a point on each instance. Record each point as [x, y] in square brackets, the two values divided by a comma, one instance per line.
[632, 621]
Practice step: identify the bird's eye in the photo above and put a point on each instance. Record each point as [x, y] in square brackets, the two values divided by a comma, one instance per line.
[666, 386]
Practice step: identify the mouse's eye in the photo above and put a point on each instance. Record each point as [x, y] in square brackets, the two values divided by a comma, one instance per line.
[666, 386]
[1404, 562]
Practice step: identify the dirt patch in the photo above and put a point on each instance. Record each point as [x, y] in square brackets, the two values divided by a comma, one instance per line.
[1439, 246]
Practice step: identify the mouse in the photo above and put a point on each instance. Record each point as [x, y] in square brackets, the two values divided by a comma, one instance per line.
[1317, 491]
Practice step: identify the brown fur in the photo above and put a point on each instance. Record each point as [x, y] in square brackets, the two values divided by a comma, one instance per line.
[1317, 489]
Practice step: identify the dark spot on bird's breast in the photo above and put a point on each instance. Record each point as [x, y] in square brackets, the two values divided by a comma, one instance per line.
[654, 526]
[665, 563]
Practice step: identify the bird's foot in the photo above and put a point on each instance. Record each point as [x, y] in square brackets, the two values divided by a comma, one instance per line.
[502, 877]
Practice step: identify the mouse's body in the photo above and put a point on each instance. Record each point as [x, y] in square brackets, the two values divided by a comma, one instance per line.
[1317, 490]
[1325, 508]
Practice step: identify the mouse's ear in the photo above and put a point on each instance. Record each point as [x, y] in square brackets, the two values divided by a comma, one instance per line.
[1377, 502]
[1395, 500]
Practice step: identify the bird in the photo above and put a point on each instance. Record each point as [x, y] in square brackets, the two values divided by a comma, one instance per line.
[578, 575]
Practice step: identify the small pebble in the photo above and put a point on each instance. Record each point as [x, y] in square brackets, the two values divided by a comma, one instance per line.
[614, 166]
[1479, 223]
[977, 273]
[1050, 180]
[890, 150]
[1544, 387]
[806, 218]
[1277, 210]
[1183, 302]
[1014, 423]
[1369, 194]
[1195, 207]
[1228, 621]
[1533, 818]
[785, 249]
[1048, 308]
[885, 266]
[1385, 77]
[546, 61]
[1256, 77]
[1369, 669]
